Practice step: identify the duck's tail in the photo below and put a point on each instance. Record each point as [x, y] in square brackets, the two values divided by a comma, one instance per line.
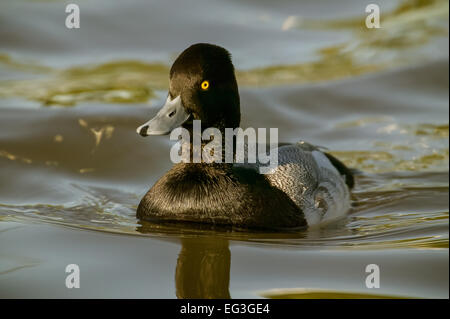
[343, 170]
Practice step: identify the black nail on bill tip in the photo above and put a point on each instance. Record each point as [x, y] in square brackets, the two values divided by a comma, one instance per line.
[143, 131]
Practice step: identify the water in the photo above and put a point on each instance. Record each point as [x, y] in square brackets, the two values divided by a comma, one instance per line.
[72, 168]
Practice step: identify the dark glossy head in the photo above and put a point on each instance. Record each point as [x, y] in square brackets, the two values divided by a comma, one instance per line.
[202, 87]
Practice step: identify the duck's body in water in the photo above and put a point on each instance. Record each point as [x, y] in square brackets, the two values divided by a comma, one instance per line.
[306, 188]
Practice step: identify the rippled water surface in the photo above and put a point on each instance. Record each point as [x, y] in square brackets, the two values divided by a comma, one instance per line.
[73, 169]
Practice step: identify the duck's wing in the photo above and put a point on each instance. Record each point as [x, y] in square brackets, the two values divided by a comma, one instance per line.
[341, 168]
[312, 181]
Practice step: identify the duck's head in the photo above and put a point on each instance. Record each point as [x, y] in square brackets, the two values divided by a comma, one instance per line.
[202, 87]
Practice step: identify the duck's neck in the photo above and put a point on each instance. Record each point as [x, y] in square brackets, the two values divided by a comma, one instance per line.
[215, 150]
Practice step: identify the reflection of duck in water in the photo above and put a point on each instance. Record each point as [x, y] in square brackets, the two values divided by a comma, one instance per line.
[307, 187]
[203, 268]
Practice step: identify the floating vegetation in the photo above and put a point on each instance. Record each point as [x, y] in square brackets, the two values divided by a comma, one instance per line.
[398, 42]
[115, 82]
[419, 147]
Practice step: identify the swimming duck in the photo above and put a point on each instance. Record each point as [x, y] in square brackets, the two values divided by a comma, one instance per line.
[306, 188]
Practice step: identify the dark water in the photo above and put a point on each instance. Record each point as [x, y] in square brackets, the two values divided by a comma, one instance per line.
[72, 168]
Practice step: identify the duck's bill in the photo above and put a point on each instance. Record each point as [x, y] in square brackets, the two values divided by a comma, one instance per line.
[171, 116]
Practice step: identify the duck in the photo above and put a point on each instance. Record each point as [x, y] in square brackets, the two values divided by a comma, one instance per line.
[307, 187]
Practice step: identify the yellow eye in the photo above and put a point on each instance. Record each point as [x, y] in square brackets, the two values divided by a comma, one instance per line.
[205, 85]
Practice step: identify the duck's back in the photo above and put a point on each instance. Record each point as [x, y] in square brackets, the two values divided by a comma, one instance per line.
[313, 181]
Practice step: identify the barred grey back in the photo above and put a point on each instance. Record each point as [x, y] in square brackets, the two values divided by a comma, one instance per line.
[306, 175]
